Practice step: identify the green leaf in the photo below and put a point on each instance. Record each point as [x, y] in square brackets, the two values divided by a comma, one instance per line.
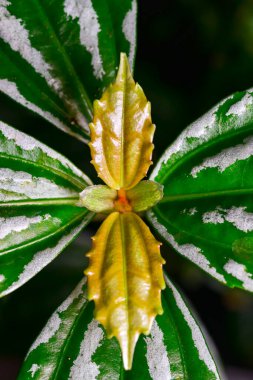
[207, 210]
[98, 198]
[39, 216]
[74, 346]
[144, 195]
[56, 56]
[101, 198]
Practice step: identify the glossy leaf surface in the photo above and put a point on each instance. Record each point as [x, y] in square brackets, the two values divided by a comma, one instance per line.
[56, 56]
[39, 190]
[122, 132]
[207, 210]
[74, 346]
[125, 279]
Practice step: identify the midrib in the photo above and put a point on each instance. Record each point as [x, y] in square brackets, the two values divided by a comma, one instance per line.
[211, 194]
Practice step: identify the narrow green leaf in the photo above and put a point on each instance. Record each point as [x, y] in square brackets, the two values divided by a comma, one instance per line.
[74, 346]
[207, 210]
[39, 215]
[56, 56]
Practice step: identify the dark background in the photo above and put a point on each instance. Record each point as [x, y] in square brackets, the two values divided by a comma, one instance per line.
[191, 54]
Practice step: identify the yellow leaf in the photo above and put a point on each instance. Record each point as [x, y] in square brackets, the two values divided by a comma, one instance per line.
[122, 132]
[125, 279]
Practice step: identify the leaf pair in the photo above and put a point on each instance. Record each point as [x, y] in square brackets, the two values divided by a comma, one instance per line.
[125, 273]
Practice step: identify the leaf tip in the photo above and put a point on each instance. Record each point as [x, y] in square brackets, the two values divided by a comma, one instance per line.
[124, 70]
[128, 348]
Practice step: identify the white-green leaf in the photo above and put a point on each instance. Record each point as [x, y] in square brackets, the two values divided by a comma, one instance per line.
[207, 210]
[39, 216]
[57, 56]
[73, 346]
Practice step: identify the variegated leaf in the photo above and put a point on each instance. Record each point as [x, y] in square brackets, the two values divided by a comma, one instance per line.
[125, 279]
[122, 132]
[73, 346]
[207, 210]
[39, 215]
[56, 56]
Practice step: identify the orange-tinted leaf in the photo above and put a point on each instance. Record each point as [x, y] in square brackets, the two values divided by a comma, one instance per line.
[125, 279]
[122, 132]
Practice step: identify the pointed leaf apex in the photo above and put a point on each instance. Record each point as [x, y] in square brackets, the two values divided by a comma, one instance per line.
[124, 71]
[128, 348]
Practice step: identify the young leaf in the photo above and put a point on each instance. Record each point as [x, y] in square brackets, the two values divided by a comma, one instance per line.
[98, 198]
[101, 198]
[144, 195]
[56, 56]
[125, 279]
[122, 132]
[39, 216]
[74, 346]
[207, 210]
